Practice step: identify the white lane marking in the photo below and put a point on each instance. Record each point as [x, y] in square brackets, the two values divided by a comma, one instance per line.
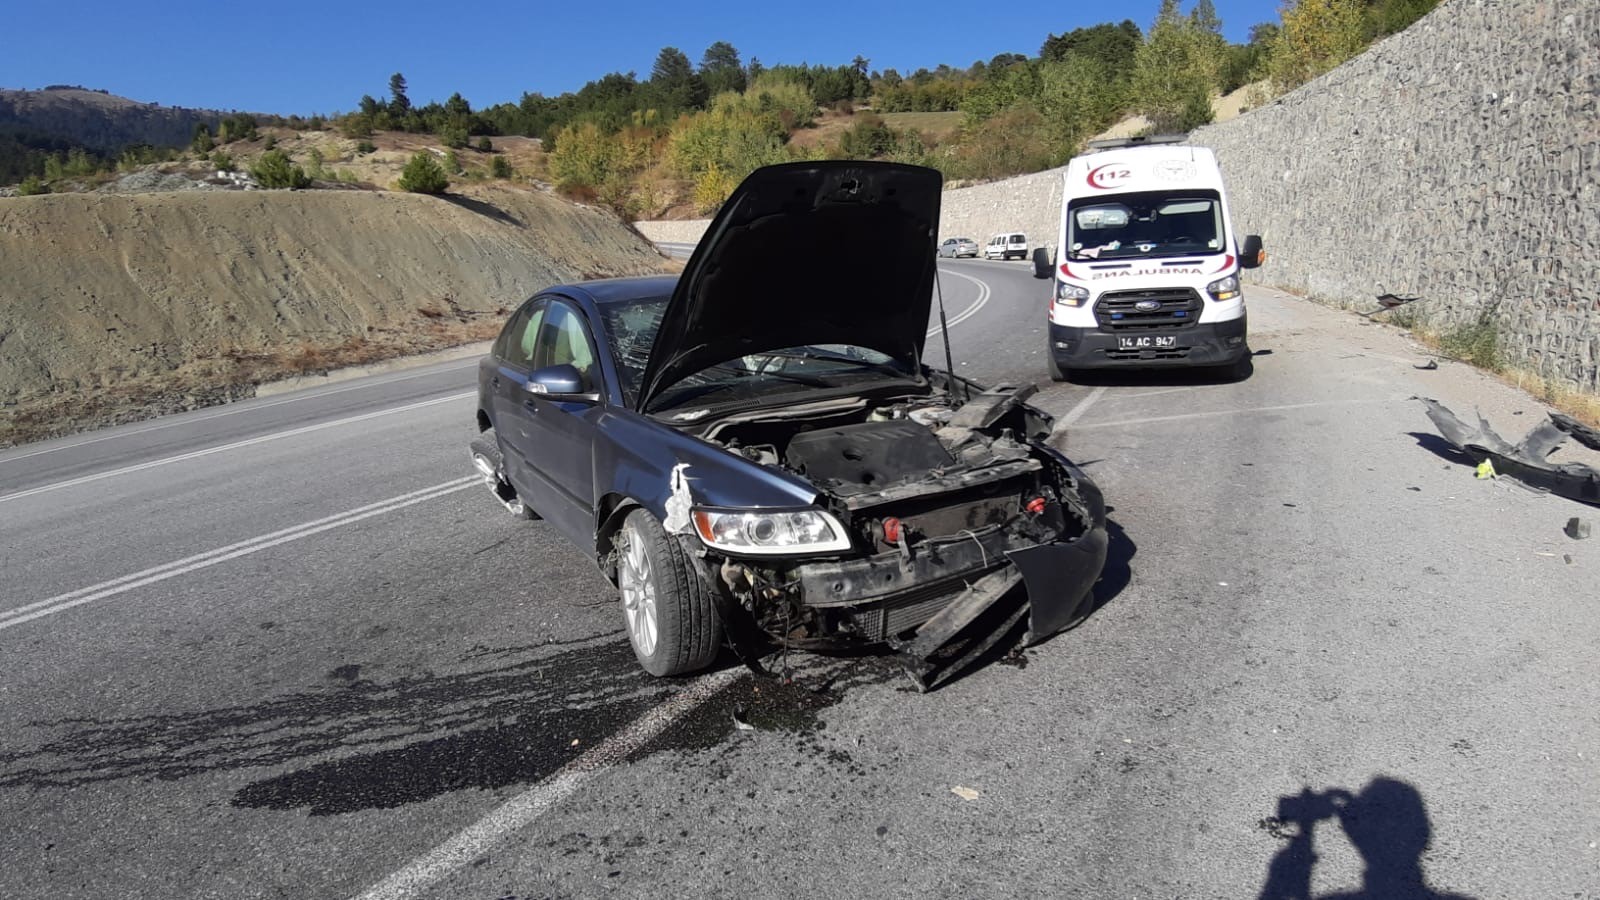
[1077, 412]
[306, 429]
[983, 298]
[5, 614]
[233, 411]
[1232, 412]
[62, 602]
[1137, 394]
[521, 810]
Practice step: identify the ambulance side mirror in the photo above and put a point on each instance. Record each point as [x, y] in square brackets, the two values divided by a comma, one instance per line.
[1252, 255]
[1042, 262]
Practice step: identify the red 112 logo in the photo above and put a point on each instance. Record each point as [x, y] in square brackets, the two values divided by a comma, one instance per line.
[1109, 175]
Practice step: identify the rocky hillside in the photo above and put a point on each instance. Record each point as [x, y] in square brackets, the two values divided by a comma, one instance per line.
[103, 122]
[120, 301]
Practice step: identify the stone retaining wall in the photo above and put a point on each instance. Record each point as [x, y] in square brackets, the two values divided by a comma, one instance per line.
[1457, 160]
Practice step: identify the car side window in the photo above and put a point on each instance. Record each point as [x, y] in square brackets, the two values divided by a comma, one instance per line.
[517, 342]
[565, 341]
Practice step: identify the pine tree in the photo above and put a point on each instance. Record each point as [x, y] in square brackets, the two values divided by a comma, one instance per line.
[399, 103]
[721, 70]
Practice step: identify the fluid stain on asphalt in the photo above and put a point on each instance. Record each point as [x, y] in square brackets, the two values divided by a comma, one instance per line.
[352, 743]
[769, 703]
[506, 719]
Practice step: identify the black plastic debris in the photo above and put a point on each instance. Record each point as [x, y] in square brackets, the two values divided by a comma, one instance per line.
[1577, 529]
[1529, 460]
[1387, 301]
[1428, 366]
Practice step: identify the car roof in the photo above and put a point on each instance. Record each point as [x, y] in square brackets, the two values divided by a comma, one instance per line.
[608, 291]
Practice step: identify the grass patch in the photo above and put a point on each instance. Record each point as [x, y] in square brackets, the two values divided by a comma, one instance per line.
[1477, 343]
[938, 126]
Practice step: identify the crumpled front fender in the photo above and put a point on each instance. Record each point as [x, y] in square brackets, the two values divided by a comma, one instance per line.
[1059, 579]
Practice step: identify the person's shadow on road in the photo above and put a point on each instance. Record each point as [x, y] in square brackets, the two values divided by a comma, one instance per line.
[1387, 823]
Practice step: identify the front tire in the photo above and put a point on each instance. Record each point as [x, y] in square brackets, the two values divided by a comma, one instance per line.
[1056, 372]
[666, 604]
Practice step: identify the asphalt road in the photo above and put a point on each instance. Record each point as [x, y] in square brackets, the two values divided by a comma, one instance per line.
[287, 649]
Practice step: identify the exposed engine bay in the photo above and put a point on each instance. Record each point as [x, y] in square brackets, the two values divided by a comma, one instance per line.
[948, 504]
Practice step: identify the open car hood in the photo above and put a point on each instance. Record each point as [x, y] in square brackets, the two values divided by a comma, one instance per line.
[801, 254]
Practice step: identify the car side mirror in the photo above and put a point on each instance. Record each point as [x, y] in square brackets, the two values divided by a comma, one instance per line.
[1043, 262]
[559, 381]
[1252, 255]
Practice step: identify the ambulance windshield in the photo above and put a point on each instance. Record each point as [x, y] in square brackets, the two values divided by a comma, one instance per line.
[1145, 225]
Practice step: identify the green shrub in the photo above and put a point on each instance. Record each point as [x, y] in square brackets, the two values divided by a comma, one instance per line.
[274, 170]
[485, 145]
[365, 147]
[867, 138]
[452, 163]
[31, 186]
[1477, 343]
[453, 136]
[711, 187]
[270, 143]
[223, 160]
[314, 167]
[500, 167]
[424, 175]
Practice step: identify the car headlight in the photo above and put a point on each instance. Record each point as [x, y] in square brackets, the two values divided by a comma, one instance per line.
[1224, 288]
[1071, 294]
[776, 532]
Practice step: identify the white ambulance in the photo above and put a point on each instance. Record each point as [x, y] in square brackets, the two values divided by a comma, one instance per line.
[1146, 270]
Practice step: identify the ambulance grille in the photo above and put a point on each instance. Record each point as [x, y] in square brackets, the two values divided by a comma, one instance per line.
[1119, 310]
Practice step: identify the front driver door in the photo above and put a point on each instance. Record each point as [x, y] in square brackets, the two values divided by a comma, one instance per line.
[559, 431]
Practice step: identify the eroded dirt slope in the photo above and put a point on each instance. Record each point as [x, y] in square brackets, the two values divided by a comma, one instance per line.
[173, 300]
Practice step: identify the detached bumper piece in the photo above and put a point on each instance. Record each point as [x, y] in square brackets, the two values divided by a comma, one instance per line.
[1527, 461]
[1059, 579]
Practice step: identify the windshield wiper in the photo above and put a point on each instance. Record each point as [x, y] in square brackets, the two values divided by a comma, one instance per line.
[776, 374]
[839, 357]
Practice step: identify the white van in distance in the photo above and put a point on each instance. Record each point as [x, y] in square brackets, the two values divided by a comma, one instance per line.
[1147, 267]
[1005, 246]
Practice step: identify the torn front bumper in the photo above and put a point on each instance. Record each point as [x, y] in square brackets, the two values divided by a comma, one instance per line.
[923, 596]
[1527, 461]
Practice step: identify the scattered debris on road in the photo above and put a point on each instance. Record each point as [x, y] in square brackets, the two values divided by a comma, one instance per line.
[1387, 301]
[1428, 366]
[965, 793]
[1528, 461]
[1577, 529]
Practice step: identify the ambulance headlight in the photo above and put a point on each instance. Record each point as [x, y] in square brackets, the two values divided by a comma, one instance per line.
[1071, 294]
[1224, 288]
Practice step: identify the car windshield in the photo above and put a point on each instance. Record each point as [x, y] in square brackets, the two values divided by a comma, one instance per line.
[1145, 225]
[631, 331]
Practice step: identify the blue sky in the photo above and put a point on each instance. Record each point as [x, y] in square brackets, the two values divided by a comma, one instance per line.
[296, 57]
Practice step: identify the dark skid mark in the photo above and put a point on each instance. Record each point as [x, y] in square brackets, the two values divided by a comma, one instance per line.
[365, 744]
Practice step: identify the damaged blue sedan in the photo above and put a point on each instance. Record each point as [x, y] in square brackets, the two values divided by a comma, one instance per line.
[756, 452]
